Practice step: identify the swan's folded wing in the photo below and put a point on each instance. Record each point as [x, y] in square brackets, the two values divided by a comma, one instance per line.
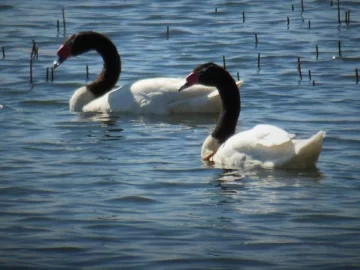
[161, 96]
[158, 96]
[266, 144]
[117, 100]
[199, 99]
[268, 135]
[197, 104]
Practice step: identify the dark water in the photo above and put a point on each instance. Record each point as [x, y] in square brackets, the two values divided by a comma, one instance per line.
[93, 191]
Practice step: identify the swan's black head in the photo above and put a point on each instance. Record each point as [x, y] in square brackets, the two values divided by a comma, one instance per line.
[208, 74]
[75, 45]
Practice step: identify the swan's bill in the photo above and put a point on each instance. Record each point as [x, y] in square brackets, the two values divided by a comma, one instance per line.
[57, 63]
[186, 85]
[191, 79]
[64, 53]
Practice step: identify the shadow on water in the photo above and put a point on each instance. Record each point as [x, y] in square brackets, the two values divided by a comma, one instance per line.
[112, 126]
[103, 118]
[110, 119]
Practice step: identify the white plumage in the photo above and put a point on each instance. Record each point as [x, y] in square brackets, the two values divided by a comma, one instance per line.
[150, 96]
[269, 146]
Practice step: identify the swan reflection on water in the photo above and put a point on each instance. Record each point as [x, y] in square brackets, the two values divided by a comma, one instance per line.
[111, 118]
[233, 180]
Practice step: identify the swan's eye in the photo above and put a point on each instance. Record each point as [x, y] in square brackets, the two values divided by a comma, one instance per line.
[203, 70]
[206, 68]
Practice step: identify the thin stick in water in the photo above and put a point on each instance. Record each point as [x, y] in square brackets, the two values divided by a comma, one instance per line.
[302, 6]
[58, 25]
[33, 49]
[357, 75]
[292, 7]
[313, 83]
[87, 72]
[346, 17]
[47, 74]
[167, 32]
[309, 24]
[258, 61]
[338, 6]
[339, 47]
[288, 21]
[243, 16]
[317, 51]
[64, 22]
[224, 62]
[238, 76]
[52, 74]
[299, 68]
[3, 51]
[256, 40]
[31, 73]
[309, 75]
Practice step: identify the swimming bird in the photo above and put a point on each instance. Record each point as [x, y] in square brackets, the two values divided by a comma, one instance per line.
[265, 145]
[147, 96]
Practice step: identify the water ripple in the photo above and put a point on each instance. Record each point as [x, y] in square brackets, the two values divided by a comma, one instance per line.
[118, 190]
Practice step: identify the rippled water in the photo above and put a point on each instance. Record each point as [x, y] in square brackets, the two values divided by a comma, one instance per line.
[92, 191]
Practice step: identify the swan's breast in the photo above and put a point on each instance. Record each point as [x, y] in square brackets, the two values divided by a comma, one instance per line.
[80, 98]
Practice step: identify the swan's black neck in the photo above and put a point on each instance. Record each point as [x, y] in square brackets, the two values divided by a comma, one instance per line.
[112, 65]
[231, 106]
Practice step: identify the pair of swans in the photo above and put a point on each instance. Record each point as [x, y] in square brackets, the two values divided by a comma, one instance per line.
[210, 89]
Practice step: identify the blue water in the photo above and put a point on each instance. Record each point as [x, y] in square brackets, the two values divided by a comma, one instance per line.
[96, 191]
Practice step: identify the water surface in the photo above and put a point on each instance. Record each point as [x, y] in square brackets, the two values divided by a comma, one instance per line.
[95, 191]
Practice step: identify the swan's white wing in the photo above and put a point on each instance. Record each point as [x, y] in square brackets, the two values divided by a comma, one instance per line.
[117, 100]
[152, 96]
[198, 99]
[161, 96]
[269, 146]
[264, 144]
[210, 103]
[158, 96]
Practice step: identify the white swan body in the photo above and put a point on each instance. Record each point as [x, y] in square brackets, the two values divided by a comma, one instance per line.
[150, 96]
[266, 146]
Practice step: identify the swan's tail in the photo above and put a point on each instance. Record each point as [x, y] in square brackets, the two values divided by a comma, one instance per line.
[307, 151]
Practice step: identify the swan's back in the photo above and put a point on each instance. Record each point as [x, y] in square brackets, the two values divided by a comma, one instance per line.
[269, 146]
[161, 96]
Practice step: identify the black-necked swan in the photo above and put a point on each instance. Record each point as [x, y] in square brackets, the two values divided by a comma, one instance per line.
[265, 145]
[152, 96]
